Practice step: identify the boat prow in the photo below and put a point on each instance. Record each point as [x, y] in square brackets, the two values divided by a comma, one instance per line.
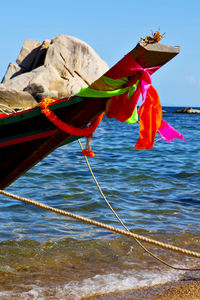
[28, 136]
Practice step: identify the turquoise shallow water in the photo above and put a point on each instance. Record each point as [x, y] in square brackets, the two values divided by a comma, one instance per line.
[156, 193]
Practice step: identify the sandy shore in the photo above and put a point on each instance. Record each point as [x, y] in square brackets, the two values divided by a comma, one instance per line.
[187, 289]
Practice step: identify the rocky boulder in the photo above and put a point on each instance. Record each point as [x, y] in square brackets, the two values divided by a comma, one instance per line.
[188, 110]
[56, 68]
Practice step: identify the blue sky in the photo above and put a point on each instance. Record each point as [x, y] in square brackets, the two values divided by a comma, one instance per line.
[112, 28]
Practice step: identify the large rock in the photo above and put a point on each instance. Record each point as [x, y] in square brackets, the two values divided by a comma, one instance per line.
[50, 69]
[12, 69]
[15, 99]
[188, 110]
[28, 54]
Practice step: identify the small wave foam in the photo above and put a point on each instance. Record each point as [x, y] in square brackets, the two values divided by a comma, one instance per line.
[97, 285]
[104, 284]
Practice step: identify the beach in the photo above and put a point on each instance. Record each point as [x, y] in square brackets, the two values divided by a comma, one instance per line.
[185, 289]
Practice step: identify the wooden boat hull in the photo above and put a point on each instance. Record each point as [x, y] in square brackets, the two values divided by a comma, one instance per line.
[35, 137]
[27, 137]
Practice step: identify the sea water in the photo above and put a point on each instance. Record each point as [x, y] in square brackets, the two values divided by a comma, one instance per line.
[156, 193]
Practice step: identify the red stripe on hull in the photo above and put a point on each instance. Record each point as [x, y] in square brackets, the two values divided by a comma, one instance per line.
[28, 138]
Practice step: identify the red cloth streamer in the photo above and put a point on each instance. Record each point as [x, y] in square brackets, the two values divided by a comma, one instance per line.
[121, 107]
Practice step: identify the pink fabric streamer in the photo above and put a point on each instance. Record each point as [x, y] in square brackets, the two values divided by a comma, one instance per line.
[168, 133]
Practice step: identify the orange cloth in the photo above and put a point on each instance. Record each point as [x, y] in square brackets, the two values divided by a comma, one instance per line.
[150, 113]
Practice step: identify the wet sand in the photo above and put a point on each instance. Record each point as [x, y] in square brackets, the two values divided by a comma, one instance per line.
[186, 289]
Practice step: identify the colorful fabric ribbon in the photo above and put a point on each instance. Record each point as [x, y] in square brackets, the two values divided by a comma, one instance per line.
[120, 98]
[150, 112]
[168, 133]
[125, 82]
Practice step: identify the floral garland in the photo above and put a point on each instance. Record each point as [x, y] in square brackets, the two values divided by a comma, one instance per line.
[86, 131]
